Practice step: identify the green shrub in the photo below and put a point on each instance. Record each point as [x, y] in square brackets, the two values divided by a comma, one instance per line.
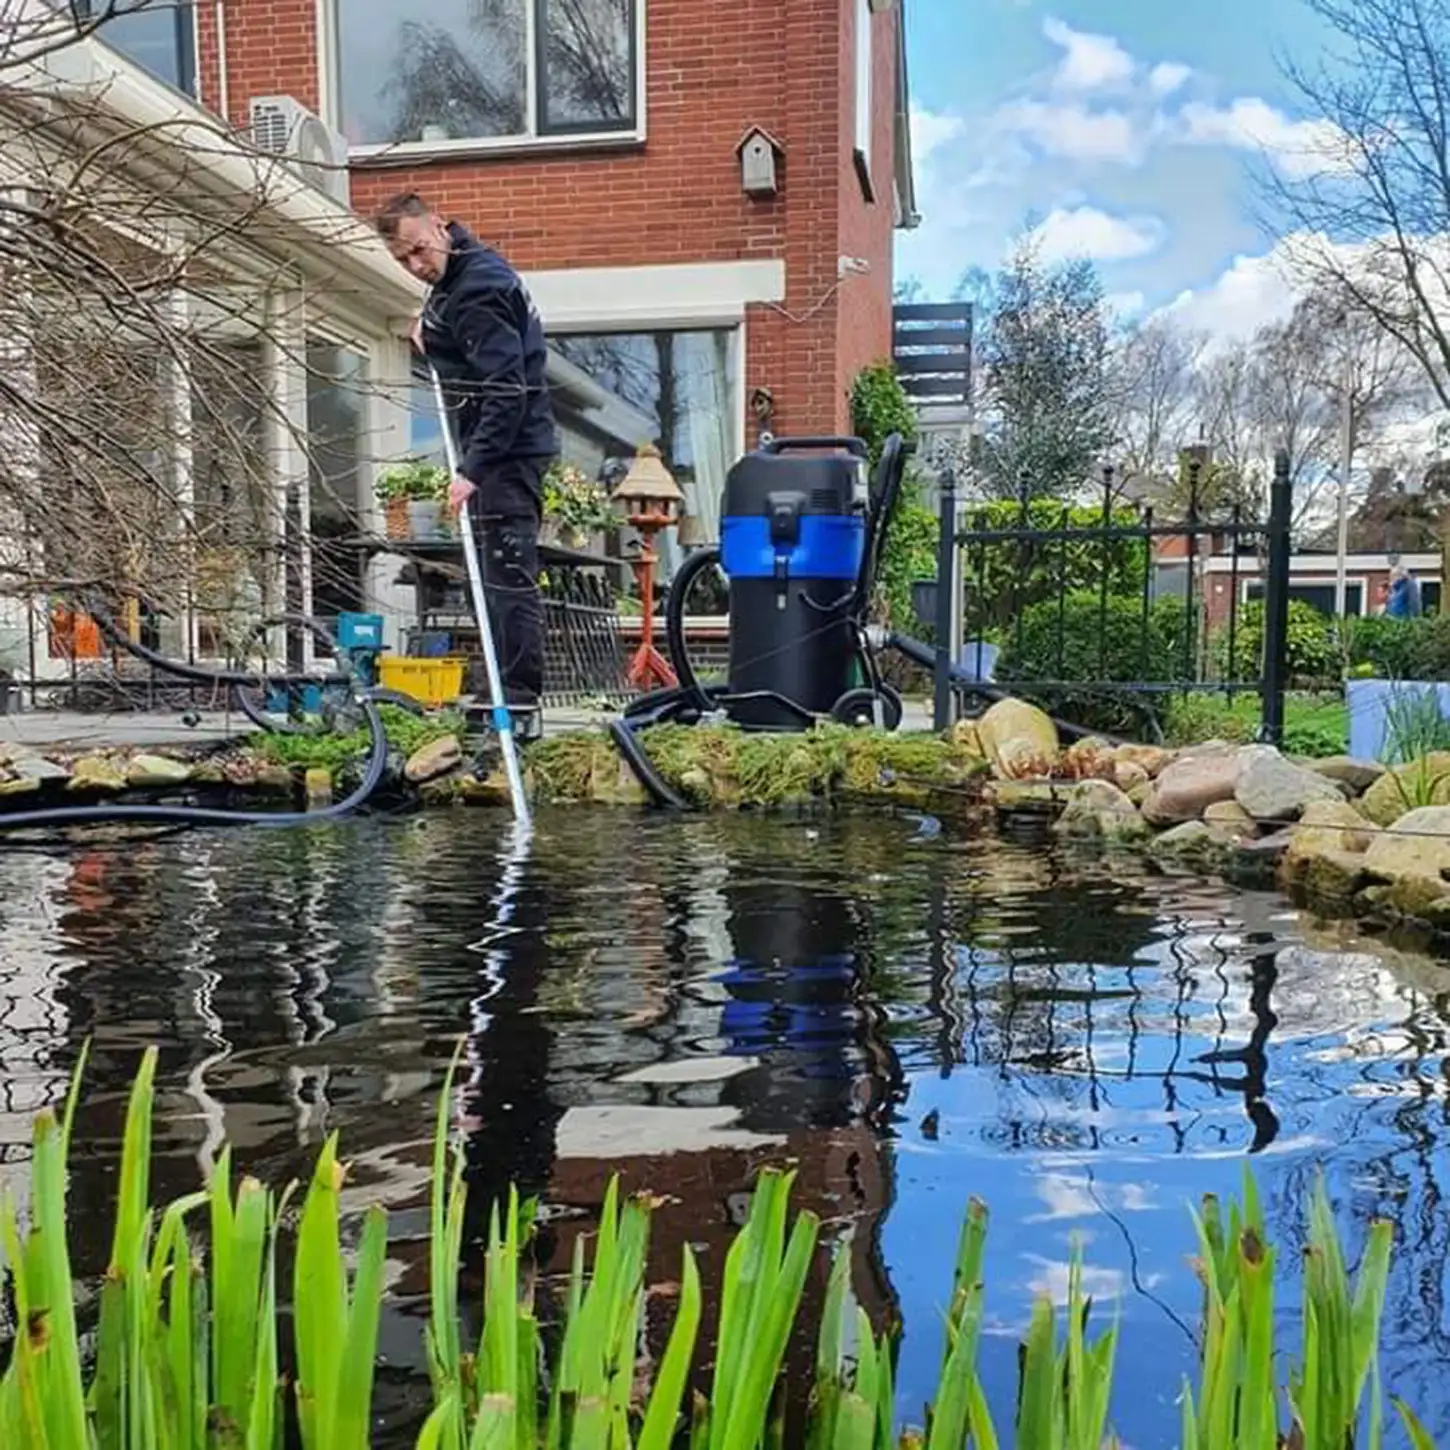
[1078, 639]
[1399, 649]
[909, 555]
[1312, 654]
[1003, 579]
[879, 408]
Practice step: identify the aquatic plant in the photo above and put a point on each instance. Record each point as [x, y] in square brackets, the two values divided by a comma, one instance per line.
[728, 768]
[186, 1347]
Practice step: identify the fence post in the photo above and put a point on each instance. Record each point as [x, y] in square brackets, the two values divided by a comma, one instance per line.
[946, 573]
[1276, 600]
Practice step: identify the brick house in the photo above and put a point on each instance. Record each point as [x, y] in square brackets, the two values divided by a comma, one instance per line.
[599, 146]
[603, 146]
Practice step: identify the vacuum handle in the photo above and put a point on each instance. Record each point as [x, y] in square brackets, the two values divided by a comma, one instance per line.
[852, 445]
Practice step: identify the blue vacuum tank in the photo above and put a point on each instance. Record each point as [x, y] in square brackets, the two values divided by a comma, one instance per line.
[792, 538]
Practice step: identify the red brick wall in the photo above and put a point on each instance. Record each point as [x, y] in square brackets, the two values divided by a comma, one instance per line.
[710, 75]
[863, 331]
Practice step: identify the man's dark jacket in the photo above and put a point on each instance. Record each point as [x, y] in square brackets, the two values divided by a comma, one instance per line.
[483, 333]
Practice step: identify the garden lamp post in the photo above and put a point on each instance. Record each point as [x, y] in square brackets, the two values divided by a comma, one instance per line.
[649, 500]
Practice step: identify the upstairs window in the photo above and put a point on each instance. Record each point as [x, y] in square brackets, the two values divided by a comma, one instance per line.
[434, 72]
[157, 35]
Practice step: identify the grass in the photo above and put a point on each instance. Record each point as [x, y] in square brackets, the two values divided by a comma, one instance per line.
[186, 1353]
[1314, 725]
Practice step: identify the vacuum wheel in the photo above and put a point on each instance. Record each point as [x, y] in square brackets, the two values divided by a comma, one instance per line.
[857, 708]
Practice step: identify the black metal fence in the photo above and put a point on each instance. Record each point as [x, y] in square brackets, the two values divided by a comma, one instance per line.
[584, 650]
[585, 656]
[1103, 613]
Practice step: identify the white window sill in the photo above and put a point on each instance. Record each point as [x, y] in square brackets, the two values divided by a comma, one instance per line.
[409, 153]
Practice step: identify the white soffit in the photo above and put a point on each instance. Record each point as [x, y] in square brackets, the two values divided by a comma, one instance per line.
[700, 293]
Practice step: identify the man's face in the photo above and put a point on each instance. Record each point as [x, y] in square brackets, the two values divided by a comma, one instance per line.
[422, 244]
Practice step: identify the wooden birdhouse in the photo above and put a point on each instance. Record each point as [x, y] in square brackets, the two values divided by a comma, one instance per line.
[760, 155]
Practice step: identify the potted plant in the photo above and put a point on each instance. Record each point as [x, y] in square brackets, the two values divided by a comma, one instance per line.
[575, 506]
[412, 494]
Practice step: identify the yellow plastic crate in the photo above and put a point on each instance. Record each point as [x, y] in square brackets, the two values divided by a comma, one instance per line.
[429, 681]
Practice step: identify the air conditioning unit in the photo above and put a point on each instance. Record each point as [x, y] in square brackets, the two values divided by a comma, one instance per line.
[317, 153]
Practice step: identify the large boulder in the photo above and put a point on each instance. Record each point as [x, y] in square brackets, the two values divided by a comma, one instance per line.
[1325, 857]
[1153, 760]
[1018, 739]
[155, 771]
[1418, 844]
[1097, 810]
[1275, 791]
[1128, 775]
[1229, 818]
[1089, 759]
[96, 773]
[26, 765]
[1420, 783]
[1355, 775]
[430, 761]
[1185, 789]
[1192, 844]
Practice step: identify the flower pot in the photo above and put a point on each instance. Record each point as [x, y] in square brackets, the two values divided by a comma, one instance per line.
[423, 518]
[395, 517]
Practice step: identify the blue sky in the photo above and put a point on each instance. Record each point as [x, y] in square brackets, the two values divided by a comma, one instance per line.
[1131, 130]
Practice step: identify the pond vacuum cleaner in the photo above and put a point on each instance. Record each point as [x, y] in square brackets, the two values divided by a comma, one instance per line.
[801, 533]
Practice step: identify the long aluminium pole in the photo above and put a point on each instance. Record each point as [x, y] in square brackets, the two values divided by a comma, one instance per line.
[502, 717]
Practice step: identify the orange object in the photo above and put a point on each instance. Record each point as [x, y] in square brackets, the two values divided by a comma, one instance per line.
[74, 636]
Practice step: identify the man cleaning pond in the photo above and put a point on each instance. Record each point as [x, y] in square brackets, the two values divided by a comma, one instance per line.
[481, 331]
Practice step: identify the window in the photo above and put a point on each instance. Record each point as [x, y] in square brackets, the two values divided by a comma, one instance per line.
[235, 523]
[677, 390]
[425, 428]
[336, 424]
[436, 71]
[158, 35]
[1317, 596]
[863, 94]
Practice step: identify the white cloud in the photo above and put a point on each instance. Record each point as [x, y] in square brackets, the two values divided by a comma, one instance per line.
[1072, 132]
[1298, 148]
[1168, 77]
[1089, 62]
[930, 131]
[1249, 293]
[1086, 232]
[1125, 306]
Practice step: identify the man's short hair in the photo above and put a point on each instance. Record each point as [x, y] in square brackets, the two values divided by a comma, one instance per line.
[407, 203]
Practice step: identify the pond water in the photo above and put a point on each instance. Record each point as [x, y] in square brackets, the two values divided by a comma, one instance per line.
[907, 1017]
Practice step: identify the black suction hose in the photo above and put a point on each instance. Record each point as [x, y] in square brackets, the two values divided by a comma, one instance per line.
[688, 698]
[658, 788]
[111, 812]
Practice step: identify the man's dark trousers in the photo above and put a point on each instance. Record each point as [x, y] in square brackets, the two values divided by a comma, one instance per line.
[506, 514]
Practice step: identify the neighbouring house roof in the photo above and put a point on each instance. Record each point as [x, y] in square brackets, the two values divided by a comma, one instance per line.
[1387, 522]
[907, 216]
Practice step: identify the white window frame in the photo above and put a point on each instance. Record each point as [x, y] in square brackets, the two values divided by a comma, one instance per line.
[329, 52]
[1312, 581]
[865, 55]
[193, 92]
